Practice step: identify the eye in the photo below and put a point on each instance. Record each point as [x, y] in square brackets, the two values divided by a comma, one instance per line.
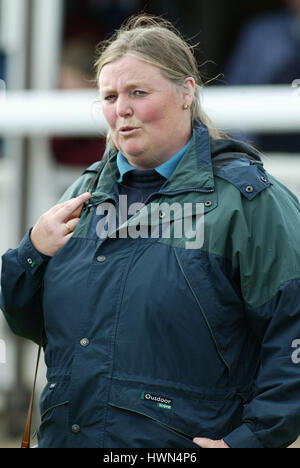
[110, 97]
[139, 92]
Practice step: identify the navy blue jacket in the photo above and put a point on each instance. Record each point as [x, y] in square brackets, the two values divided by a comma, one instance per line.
[150, 342]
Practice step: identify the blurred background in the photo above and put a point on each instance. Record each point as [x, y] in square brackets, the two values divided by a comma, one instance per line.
[51, 126]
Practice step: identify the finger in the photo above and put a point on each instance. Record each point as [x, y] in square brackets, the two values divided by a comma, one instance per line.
[76, 213]
[54, 208]
[70, 225]
[66, 211]
[67, 237]
[57, 207]
[203, 442]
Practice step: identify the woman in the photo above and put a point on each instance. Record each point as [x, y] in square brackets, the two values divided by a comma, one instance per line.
[171, 304]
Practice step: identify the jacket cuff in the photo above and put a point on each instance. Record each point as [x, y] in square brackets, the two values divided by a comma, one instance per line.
[29, 256]
[242, 437]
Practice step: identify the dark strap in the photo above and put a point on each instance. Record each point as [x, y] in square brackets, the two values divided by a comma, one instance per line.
[98, 171]
[26, 436]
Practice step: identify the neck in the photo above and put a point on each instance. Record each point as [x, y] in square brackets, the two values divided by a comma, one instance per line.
[152, 162]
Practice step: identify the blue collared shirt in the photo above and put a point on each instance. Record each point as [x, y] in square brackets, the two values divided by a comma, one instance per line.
[166, 169]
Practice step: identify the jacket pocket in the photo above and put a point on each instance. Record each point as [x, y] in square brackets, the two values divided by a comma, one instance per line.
[143, 431]
[53, 395]
[156, 416]
[52, 431]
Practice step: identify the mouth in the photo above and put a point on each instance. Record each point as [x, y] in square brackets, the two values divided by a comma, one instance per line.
[126, 130]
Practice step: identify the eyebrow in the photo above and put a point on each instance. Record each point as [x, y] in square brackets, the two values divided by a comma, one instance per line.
[129, 85]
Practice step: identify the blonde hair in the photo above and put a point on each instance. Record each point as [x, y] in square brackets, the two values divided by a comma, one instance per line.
[156, 41]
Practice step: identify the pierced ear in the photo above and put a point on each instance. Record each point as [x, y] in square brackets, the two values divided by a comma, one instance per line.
[189, 87]
[189, 82]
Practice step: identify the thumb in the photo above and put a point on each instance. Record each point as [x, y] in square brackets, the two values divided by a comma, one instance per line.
[203, 442]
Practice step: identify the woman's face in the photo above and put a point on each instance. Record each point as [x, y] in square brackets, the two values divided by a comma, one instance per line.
[144, 111]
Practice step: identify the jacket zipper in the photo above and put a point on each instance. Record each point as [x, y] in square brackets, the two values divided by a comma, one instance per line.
[202, 312]
[177, 192]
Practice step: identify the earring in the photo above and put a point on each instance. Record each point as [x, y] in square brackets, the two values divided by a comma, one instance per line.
[186, 106]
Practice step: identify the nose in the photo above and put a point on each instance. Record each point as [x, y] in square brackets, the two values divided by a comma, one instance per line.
[124, 107]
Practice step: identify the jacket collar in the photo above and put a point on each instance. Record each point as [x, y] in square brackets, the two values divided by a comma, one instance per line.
[194, 171]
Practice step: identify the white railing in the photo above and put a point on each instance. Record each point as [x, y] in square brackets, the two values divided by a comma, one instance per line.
[78, 112]
[286, 169]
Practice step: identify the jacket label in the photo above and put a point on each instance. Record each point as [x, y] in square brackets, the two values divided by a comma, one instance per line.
[160, 401]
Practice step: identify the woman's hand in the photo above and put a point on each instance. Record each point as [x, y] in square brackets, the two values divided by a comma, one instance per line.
[209, 443]
[55, 227]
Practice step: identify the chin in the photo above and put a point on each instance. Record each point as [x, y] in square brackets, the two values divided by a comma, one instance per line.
[132, 151]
